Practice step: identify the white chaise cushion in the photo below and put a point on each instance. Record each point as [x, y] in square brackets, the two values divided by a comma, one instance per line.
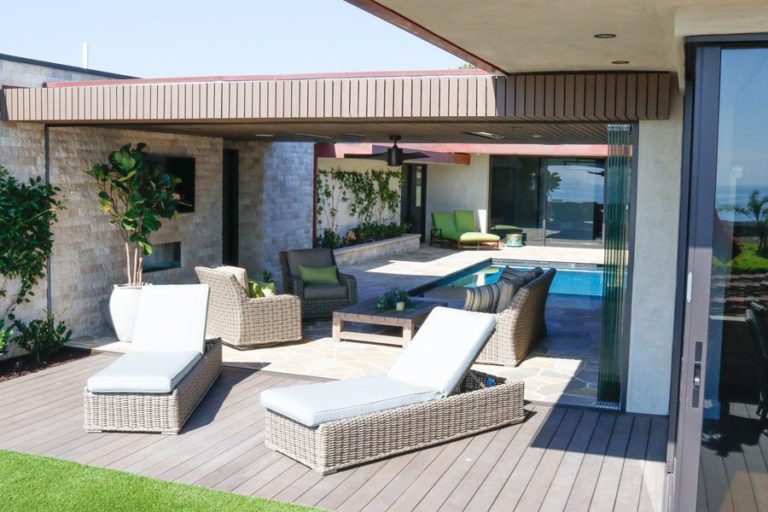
[144, 372]
[171, 318]
[313, 404]
[444, 349]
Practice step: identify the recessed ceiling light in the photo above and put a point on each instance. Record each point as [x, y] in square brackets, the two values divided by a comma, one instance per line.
[537, 136]
[263, 135]
[605, 35]
[620, 62]
[486, 135]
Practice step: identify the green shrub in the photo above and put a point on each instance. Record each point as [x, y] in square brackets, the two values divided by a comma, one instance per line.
[42, 338]
[27, 211]
[331, 240]
[6, 334]
[374, 231]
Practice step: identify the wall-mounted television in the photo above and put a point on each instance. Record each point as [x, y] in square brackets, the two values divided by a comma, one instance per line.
[182, 167]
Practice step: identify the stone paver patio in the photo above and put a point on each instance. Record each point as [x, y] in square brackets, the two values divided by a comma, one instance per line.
[561, 369]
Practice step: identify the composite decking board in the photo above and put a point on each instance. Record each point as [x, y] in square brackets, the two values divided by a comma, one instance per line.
[589, 471]
[607, 486]
[652, 489]
[415, 467]
[485, 496]
[514, 487]
[628, 493]
[206, 438]
[410, 499]
[538, 486]
[483, 466]
[590, 424]
[359, 499]
[222, 447]
[451, 478]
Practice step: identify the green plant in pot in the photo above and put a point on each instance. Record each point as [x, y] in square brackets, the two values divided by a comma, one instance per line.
[135, 195]
[392, 297]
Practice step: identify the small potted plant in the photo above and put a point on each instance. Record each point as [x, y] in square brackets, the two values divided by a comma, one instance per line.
[396, 298]
[135, 195]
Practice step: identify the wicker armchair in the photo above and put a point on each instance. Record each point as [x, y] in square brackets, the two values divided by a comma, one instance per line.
[243, 322]
[521, 325]
[318, 301]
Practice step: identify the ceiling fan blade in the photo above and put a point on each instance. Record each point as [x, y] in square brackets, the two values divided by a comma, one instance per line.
[414, 155]
[371, 156]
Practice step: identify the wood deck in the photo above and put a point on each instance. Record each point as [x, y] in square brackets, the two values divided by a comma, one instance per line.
[560, 458]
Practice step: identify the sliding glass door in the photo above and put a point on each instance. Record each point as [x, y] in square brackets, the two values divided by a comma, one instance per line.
[722, 434]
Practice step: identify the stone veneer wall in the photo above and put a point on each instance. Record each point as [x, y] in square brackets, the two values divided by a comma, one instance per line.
[289, 169]
[22, 147]
[250, 205]
[88, 256]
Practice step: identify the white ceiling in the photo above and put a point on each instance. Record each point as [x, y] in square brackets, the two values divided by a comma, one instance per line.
[534, 35]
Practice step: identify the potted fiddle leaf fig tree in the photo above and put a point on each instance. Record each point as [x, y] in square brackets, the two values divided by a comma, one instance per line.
[135, 194]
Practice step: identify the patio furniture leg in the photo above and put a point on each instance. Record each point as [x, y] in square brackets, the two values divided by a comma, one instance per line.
[408, 329]
[338, 323]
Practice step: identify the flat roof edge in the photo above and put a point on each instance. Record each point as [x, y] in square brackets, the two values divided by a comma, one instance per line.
[64, 67]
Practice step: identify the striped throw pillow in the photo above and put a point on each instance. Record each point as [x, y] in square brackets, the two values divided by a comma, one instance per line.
[483, 299]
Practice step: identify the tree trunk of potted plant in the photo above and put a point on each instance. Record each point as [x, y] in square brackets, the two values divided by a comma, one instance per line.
[135, 195]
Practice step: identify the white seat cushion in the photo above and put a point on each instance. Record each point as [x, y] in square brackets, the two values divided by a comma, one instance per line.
[171, 318]
[444, 349]
[313, 404]
[144, 372]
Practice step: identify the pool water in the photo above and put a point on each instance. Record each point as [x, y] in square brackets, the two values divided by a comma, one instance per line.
[567, 281]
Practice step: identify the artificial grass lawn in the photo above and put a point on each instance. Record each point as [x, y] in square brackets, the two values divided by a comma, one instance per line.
[34, 483]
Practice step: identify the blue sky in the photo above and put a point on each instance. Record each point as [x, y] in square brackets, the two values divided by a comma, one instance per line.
[180, 38]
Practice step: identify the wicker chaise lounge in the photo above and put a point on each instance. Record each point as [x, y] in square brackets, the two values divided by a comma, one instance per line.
[428, 397]
[243, 322]
[157, 386]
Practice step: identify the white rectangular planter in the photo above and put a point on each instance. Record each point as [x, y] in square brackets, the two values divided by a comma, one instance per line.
[355, 254]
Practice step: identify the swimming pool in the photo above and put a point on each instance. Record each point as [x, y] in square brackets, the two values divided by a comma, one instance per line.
[568, 281]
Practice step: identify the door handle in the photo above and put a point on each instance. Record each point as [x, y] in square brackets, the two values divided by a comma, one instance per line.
[697, 363]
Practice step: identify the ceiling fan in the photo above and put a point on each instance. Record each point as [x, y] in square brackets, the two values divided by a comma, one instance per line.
[394, 156]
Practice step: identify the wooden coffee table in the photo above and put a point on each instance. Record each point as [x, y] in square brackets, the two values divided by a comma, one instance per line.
[366, 313]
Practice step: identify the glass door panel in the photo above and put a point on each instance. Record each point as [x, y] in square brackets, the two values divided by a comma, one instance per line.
[722, 436]
[573, 191]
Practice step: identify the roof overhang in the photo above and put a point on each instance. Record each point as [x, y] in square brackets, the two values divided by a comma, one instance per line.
[448, 106]
[522, 36]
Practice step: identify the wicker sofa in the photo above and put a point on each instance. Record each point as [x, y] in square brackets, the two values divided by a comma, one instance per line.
[521, 325]
[243, 322]
[318, 301]
[429, 396]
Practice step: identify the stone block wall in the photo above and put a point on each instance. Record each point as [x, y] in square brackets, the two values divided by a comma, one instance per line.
[88, 256]
[250, 204]
[288, 191]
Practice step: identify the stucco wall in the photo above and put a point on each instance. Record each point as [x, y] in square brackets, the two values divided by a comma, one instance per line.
[88, 255]
[655, 264]
[459, 187]
[344, 219]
